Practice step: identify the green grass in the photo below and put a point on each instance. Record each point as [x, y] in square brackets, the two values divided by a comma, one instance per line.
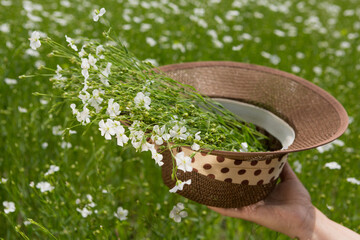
[132, 180]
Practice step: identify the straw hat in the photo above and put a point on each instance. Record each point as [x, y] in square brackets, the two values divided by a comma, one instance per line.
[298, 114]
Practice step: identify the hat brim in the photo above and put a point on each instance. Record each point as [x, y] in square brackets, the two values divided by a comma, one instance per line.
[316, 117]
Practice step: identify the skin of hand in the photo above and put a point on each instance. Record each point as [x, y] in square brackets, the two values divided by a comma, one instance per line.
[288, 209]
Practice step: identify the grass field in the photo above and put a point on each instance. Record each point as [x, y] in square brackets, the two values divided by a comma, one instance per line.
[317, 40]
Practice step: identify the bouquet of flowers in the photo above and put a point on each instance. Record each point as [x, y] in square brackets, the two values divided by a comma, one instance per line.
[134, 102]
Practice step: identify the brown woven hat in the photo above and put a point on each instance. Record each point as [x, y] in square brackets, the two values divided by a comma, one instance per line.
[297, 113]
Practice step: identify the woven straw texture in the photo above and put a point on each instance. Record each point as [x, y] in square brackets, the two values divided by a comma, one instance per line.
[316, 117]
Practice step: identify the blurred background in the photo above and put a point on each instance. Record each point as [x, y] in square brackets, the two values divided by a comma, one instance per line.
[316, 40]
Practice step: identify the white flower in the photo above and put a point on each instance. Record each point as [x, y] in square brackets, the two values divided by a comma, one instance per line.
[96, 100]
[353, 181]
[82, 52]
[147, 147]
[44, 187]
[52, 169]
[100, 49]
[97, 14]
[333, 165]
[84, 212]
[9, 207]
[22, 110]
[32, 184]
[166, 136]
[10, 81]
[197, 136]
[84, 116]
[3, 180]
[84, 96]
[244, 147]
[113, 108]
[297, 166]
[121, 213]
[120, 134]
[71, 43]
[56, 130]
[142, 100]
[105, 74]
[157, 157]
[177, 132]
[27, 223]
[179, 186]
[183, 162]
[85, 67]
[157, 133]
[107, 128]
[35, 40]
[73, 107]
[58, 75]
[330, 145]
[195, 147]
[92, 61]
[177, 212]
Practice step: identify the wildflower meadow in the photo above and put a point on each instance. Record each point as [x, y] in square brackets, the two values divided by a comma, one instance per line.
[63, 176]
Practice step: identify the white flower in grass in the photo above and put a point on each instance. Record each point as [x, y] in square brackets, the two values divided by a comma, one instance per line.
[44, 187]
[58, 75]
[183, 162]
[106, 128]
[105, 74]
[57, 131]
[333, 165]
[84, 212]
[22, 110]
[35, 40]
[96, 100]
[99, 50]
[9, 207]
[353, 181]
[26, 223]
[52, 169]
[141, 100]
[121, 213]
[85, 65]
[180, 185]
[297, 166]
[177, 212]
[82, 52]
[113, 108]
[97, 14]
[84, 116]
[84, 96]
[71, 43]
[179, 132]
[10, 81]
[3, 180]
[73, 107]
[92, 61]
[330, 146]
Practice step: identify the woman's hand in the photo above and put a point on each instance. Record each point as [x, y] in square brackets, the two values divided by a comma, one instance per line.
[288, 209]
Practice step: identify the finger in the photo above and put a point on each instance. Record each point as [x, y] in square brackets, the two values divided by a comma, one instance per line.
[246, 213]
[287, 173]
